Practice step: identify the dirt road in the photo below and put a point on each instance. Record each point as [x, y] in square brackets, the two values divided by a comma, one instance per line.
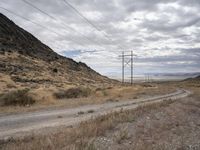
[14, 125]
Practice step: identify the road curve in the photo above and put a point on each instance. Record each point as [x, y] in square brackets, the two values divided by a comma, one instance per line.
[14, 125]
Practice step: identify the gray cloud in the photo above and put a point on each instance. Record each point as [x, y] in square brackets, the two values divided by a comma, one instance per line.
[165, 34]
[150, 5]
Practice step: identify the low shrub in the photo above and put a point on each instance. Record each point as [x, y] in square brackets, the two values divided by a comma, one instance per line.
[73, 93]
[55, 70]
[99, 89]
[14, 98]
[105, 93]
[110, 87]
[90, 111]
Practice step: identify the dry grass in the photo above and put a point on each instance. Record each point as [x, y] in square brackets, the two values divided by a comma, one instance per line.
[164, 126]
[45, 98]
[19, 97]
[80, 137]
[6, 83]
[122, 135]
[73, 93]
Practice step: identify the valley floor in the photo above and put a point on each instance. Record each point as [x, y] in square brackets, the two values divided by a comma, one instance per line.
[163, 125]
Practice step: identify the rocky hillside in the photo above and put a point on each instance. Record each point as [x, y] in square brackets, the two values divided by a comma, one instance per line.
[25, 60]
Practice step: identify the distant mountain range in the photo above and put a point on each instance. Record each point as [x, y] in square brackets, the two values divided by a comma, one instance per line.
[176, 74]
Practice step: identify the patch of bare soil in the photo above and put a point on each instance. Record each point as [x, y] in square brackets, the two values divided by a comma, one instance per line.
[171, 127]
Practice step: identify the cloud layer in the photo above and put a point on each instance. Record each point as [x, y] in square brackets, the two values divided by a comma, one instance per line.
[164, 34]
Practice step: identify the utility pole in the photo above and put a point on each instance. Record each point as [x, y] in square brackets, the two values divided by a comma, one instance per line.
[131, 67]
[127, 62]
[123, 67]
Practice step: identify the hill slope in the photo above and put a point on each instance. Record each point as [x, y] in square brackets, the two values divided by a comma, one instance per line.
[25, 60]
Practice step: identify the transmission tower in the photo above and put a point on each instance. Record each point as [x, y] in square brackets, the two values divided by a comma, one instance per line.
[127, 60]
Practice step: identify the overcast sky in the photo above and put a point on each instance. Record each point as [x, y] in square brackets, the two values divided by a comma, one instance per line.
[164, 34]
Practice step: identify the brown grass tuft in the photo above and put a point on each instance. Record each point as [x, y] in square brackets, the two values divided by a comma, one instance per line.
[14, 98]
[73, 93]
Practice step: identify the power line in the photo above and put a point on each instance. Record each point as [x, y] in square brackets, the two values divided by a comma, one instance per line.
[12, 12]
[38, 24]
[26, 19]
[34, 23]
[88, 21]
[37, 9]
[123, 67]
[52, 17]
[81, 15]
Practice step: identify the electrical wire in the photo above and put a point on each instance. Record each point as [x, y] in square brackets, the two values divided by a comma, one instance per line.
[88, 21]
[52, 17]
[12, 12]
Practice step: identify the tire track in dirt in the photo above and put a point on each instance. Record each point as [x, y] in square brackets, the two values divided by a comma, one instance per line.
[14, 125]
